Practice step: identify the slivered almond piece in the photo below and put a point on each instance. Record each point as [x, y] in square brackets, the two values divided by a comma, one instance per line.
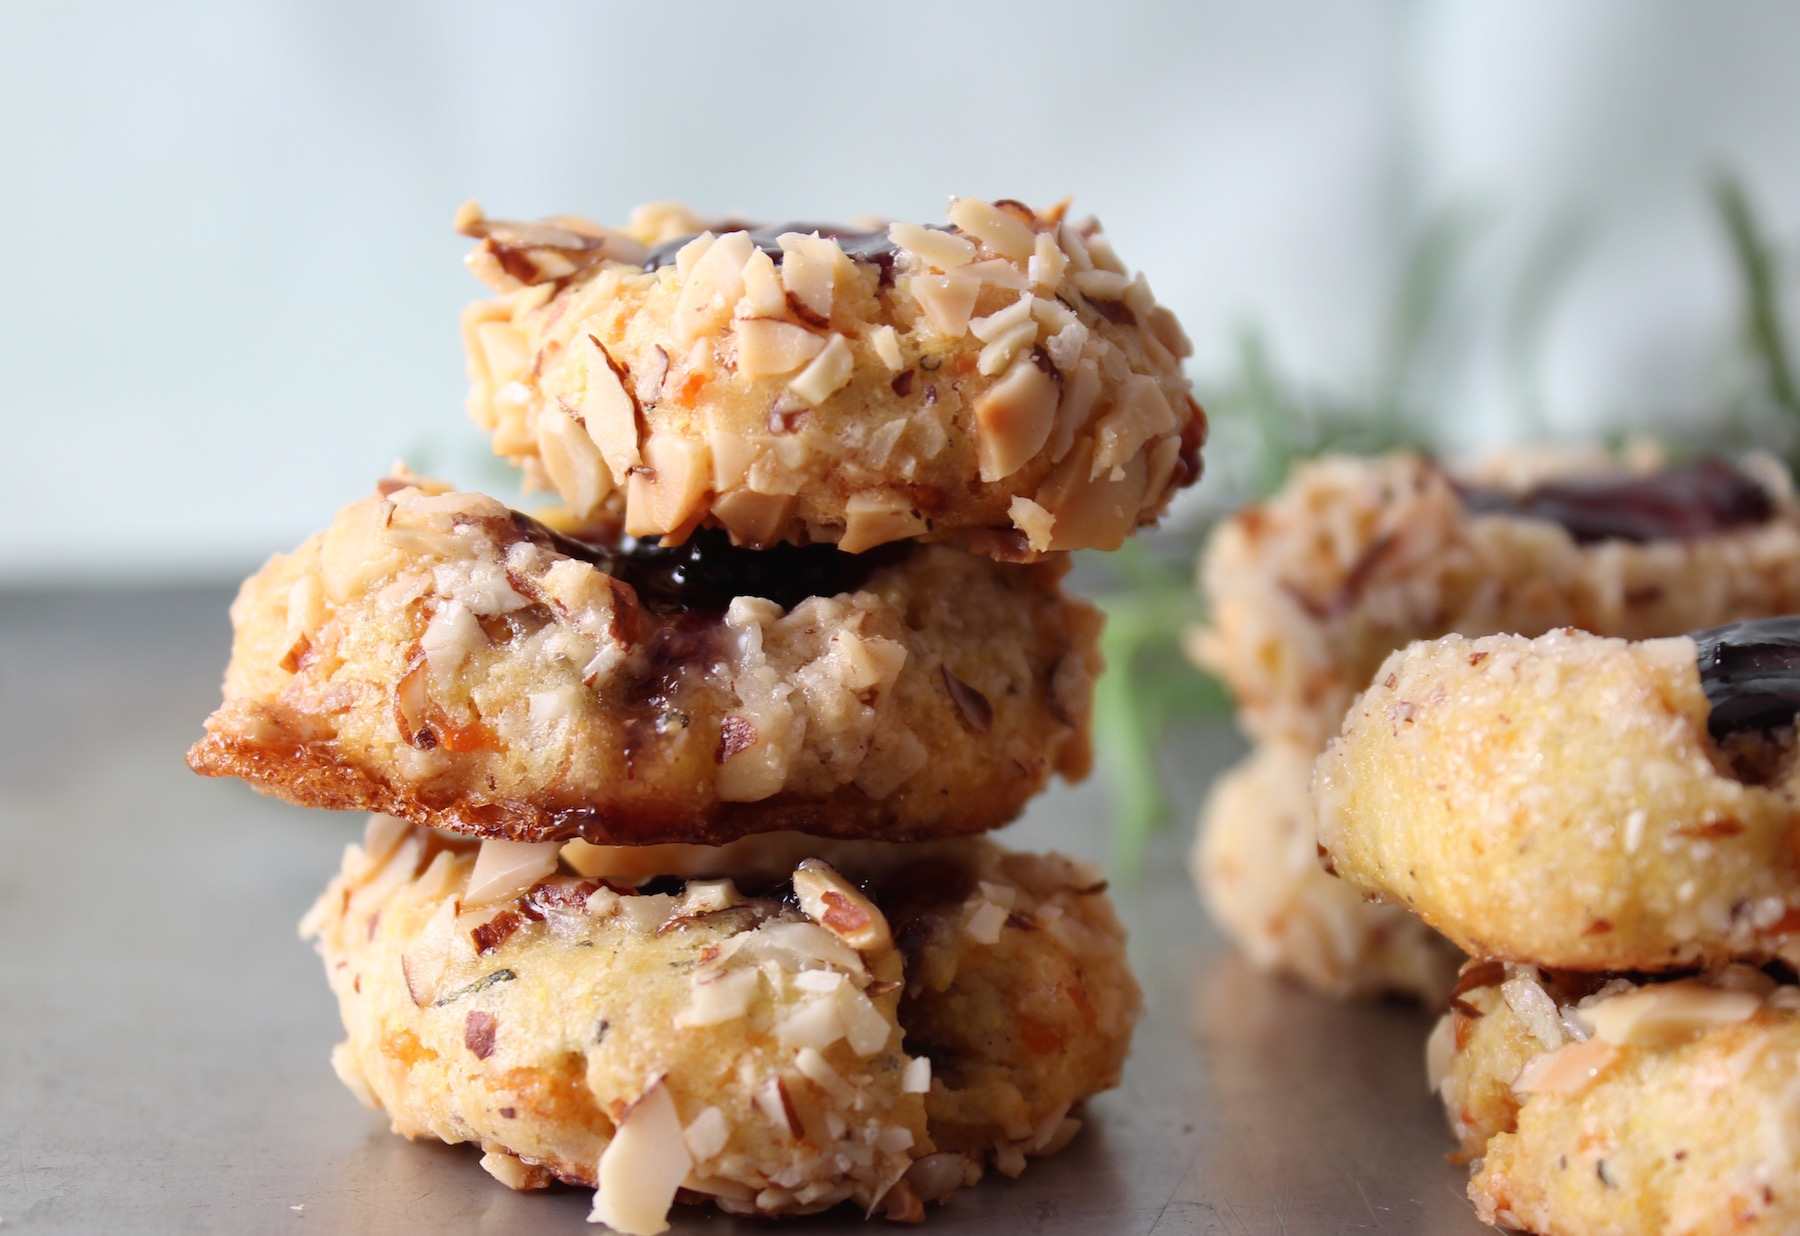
[752, 518]
[1092, 513]
[597, 394]
[943, 250]
[642, 1167]
[503, 349]
[994, 228]
[828, 373]
[1013, 418]
[504, 869]
[766, 346]
[947, 301]
[1034, 521]
[710, 290]
[1048, 263]
[764, 296]
[1003, 321]
[1667, 1013]
[887, 346]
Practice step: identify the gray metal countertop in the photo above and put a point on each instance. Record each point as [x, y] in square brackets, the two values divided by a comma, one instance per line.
[164, 1034]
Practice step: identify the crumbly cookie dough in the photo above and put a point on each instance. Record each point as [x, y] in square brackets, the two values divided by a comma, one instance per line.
[1596, 1105]
[1002, 383]
[1256, 863]
[1312, 589]
[775, 1049]
[439, 657]
[1561, 801]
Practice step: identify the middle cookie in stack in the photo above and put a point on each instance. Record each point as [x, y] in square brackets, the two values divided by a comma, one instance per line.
[864, 454]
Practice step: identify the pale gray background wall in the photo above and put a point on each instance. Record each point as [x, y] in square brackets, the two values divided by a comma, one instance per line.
[232, 285]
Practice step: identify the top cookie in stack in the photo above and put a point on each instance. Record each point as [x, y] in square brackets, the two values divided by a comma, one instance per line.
[691, 655]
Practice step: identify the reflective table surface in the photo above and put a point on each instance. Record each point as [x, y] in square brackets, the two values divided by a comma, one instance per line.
[164, 1033]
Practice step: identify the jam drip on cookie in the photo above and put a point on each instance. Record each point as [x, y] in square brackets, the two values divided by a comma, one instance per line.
[1680, 503]
[858, 245]
[1750, 672]
[706, 572]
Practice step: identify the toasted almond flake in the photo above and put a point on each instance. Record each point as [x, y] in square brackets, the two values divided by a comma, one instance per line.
[886, 343]
[725, 997]
[901, 1205]
[423, 965]
[1101, 285]
[1567, 1070]
[772, 1101]
[1034, 521]
[1054, 316]
[1667, 1013]
[1048, 263]
[691, 253]
[997, 355]
[840, 907]
[815, 1068]
[865, 1029]
[814, 1024]
[893, 1139]
[947, 301]
[707, 1135]
[764, 296]
[642, 1167]
[872, 519]
[799, 944]
[985, 921]
[382, 834]
[662, 495]
[711, 288]
[596, 391]
[1002, 321]
[1009, 1158]
[819, 980]
[828, 373]
[390, 876]
[943, 250]
[809, 268]
[1013, 419]
[576, 468]
[767, 347]
[504, 869]
[997, 272]
[510, 1171]
[503, 350]
[754, 519]
[1092, 514]
[917, 1077]
[1532, 1005]
[994, 228]
[1000, 894]
[435, 883]
[935, 1177]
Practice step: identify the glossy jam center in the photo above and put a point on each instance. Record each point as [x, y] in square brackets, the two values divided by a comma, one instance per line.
[1681, 503]
[1750, 672]
[705, 573]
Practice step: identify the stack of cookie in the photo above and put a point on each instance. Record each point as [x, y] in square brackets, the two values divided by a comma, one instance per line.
[676, 888]
[1313, 589]
[1612, 830]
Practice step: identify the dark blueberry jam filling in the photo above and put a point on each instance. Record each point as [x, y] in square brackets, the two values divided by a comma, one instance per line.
[704, 573]
[859, 246]
[1681, 503]
[1750, 672]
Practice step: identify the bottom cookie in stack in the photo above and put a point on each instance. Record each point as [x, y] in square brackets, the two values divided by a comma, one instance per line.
[1601, 1103]
[873, 1023]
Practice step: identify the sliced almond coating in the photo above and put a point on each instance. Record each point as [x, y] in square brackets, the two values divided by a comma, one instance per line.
[940, 249]
[1081, 391]
[1668, 1013]
[998, 272]
[504, 869]
[1101, 284]
[595, 390]
[828, 373]
[839, 906]
[767, 346]
[1163, 324]
[573, 462]
[754, 519]
[1034, 521]
[764, 297]
[642, 1167]
[707, 1135]
[876, 519]
[664, 493]
[994, 228]
[947, 301]
[711, 289]
[1567, 1070]
[423, 965]
[1139, 413]
[726, 997]
[513, 1172]
[917, 1077]
[1092, 513]
[355, 553]
[809, 268]
[999, 323]
[997, 355]
[1013, 419]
